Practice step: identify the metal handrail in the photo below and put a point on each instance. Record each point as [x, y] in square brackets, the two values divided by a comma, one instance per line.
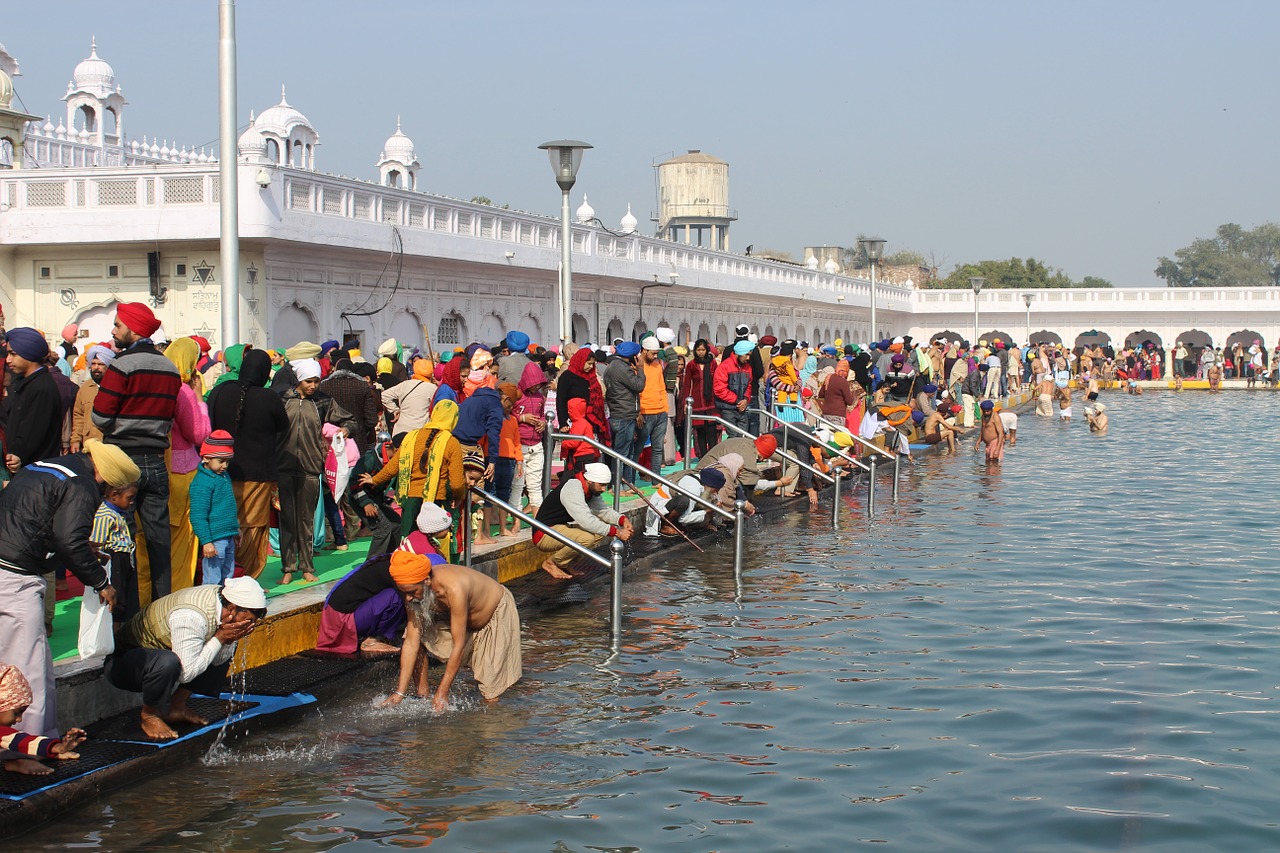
[790, 427]
[859, 439]
[870, 469]
[536, 525]
[784, 454]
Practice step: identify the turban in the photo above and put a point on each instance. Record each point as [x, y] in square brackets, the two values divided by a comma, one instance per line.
[112, 464]
[987, 405]
[681, 350]
[407, 568]
[301, 350]
[219, 445]
[306, 368]
[917, 417]
[931, 388]
[15, 690]
[70, 331]
[768, 341]
[28, 343]
[741, 330]
[628, 349]
[1100, 407]
[101, 353]
[743, 348]
[481, 359]
[205, 346]
[665, 334]
[766, 446]
[160, 338]
[597, 472]
[788, 347]
[388, 347]
[244, 592]
[138, 318]
[829, 350]
[328, 345]
[433, 519]
[473, 458]
[711, 478]
[650, 343]
[510, 391]
[423, 369]
[517, 341]
[843, 439]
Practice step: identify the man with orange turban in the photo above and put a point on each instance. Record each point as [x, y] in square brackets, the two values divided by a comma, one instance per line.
[460, 616]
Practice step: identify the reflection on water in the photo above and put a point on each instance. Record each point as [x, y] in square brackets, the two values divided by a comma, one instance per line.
[1075, 651]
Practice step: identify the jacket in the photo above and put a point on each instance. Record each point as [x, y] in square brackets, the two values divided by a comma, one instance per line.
[481, 416]
[46, 517]
[136, 400]
[82, 427]
[255, 417]
[32, 418]
[568, 504]
[622, 387]
[213, 507]
[732, 382]
[408, 404]
[352, 393]
[305, 444]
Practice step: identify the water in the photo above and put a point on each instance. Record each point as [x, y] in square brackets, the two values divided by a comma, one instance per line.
[1077, 652]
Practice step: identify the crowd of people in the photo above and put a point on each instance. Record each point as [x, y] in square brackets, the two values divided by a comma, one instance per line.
[161, 474]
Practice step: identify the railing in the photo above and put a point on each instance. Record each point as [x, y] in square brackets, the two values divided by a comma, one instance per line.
[862, 442]
[788, 428]
[784, 454]
[615, 547]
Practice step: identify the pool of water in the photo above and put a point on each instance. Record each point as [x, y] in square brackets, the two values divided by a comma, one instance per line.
[1076, 651]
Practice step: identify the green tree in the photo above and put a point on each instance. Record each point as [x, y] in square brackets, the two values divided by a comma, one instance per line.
[480, 199]
[1233, 257]
[1015, 274]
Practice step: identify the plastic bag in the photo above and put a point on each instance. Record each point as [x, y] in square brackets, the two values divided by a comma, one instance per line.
[342, 457]
[96, 638]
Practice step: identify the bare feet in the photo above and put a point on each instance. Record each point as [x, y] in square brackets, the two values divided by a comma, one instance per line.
[549, 566]
[309, 577]
[27, 767]
[372, 644]
[511, 533]
[184, 714]
[483, 540]
[286, 578]
[156, 728]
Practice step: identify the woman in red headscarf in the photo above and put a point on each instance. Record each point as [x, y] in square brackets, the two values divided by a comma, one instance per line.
[580, 381]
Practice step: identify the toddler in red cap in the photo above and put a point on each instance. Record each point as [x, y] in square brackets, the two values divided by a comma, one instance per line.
[213, 508]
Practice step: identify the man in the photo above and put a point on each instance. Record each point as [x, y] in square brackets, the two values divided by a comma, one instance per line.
[992, 434]
[408, 403]
[182, 644]
[480, 418]
[134, 409]
[82, 427]
[652, 424]
[32, 412]
[460, 616]
[1097, 417]
[732, 384]
[1180, 359]
[511, 365]
[353, 393]
[754, 452]
[669, 514]
[576, 510]
[938, 431]
[623, 383]
[1009, 420]
[971, 391]
[390, 369]
[46, 515]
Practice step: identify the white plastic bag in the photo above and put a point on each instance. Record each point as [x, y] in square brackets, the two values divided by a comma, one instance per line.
[96, 638]
[338, 466]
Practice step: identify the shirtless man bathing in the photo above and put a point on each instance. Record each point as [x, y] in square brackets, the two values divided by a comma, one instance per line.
[992, 434]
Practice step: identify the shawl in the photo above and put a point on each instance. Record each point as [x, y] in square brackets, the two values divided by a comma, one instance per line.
[595, 398]
[232, 357]
[184, 353]
[444, 417]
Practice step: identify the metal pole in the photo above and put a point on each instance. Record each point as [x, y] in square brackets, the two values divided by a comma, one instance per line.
[548, 445]
[897, 458]
[835, 502]
[467, 534]
[739, 532]
[229, 223]
[615, 601]
[688, 431]
[617, 484]
[873, 336]
[974, 342]
[871, 488]
[566, 276]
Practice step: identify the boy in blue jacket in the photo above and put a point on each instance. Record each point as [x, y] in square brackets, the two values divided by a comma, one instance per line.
[213, 509]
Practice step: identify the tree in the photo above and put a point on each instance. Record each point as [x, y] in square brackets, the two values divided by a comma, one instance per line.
[1094, 281]
[1233, 257]
[480, 199]
[1014, 273]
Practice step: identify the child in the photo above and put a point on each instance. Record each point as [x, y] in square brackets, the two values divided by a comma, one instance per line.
[510, 464]
[15, 696]
[577, 454]
[213, 509]
[112, 542]
[529, 412]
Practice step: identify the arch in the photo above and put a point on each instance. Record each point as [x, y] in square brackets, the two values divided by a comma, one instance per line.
[273, 151]
[800, 333]
[97, 320]
[1244, 337]
[638, 329]
[995, 335]
[782, 333]
[406, 327]
[684, 335]
[722, 336]
[948, 336]
[1092, 338]
[532, 327]
[1140, 338]
[297, 158]
[614, 332]
[6, 152]
[1044, 336]
[90, 118]
[451, 331]
[113, 127]
[491, 329]
[581, 331]
[1195, 339]
[704, 332]
[393, 178]
[768, 330]
[295, 323]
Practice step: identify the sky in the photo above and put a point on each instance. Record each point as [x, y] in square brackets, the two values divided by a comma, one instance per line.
[1093, 136]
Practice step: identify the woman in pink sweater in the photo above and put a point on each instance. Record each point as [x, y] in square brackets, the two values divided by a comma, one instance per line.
[190, 429]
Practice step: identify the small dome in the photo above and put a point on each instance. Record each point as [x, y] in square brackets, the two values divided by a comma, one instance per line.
[812, 262]
[252, 140]
[94, 75]
[6, 90]
[282, 118]
[585, 213]
[831, 267]
[48, 126]
[398, 147]
[629, 222]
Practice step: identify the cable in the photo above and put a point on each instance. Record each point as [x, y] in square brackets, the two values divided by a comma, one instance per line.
[397, 254]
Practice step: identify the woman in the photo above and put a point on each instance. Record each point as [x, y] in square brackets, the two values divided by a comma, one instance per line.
[698, 384]
[784, 382]
[190, 429]
[232, 359]
[580, 381]
[427, 466]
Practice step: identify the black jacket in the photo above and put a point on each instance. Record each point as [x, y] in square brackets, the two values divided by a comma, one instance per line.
[46, 517]
[255, 417]
[32, 417]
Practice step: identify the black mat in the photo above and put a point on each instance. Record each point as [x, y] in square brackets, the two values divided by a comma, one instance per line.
[297, 674]
[94, 755]
[126, 726]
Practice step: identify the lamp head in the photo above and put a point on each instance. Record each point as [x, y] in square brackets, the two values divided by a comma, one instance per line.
[566, 157]
[873, 246]
[976, 282]
[1028, 298]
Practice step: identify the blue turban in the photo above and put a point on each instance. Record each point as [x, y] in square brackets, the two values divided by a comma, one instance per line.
[328, 345]
[828, 350]
[711, 478]
[28, 343]
[628, 349]
[917, 417]
[884, 345]
[987, 405]
[931, 388]
[103, 354]
[517, 341]
[743, 347]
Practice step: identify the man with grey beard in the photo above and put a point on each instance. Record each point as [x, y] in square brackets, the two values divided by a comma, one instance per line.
[460, 616]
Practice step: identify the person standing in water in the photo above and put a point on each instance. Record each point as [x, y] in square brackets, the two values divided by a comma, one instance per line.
[992, 433]
[1097, 418]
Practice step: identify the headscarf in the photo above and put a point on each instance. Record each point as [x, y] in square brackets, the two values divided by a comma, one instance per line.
[531, 377]
[306, 368]
[185, 353]
[15, 690]
[595, 397]
[444, 417]
[255, 369]
[731, 463]
[453, 375]
[842, 367]
[409, 568]
[233, 358]
[479, 375]
[810, 367]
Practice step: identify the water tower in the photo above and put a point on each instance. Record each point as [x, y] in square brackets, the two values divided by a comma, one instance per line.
[693, 201]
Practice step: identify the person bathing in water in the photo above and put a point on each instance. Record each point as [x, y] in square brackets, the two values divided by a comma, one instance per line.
[992, 433]
[1097, 417]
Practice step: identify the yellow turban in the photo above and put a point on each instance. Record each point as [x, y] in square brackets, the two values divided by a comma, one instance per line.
[843, 439]
[409, 568]
[112, 464]
[304, 349]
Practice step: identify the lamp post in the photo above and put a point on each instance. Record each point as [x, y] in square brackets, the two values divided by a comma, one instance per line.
[874, 247]
[657, 282]
[566, 157]
[1027, 299]
[976, 282]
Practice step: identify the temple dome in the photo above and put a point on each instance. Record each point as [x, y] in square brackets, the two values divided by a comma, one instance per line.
[281, 119]
[94, 74]
[251, 142]
[398, 147]
[585, 213]
[629, 222]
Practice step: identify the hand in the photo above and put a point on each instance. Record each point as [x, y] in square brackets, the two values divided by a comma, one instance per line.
[70, 740]
[365, 480]
[12, 462]
[750, 508]
[625, 533]
[742, 405]
[439, 703]
[229, 632]
[75, 447]
[371, 511]
[209, 550]
[107, 595]
[393, 699]
[787, 481]
[488, 471]
[520, 469]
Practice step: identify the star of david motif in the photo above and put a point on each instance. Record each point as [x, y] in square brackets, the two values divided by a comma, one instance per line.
[207, 333]
[204, 273]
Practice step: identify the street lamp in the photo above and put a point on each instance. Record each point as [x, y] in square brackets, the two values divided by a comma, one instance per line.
[1027, 299]
[874, 247]
[566, 157]
[976, 282]
[657, 282]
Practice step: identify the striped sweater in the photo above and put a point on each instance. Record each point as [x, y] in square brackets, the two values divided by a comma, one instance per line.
[27, 744]
[137, 399]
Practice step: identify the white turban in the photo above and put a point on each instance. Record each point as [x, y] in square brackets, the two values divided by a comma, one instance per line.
[306, 368]
[666, 334]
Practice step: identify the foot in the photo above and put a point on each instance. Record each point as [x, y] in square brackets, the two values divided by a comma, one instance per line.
[156, 728]
[555, 571]
[511, 533]
[61, 585]
[27, 767]
[310, 577]
[484, 540]
[340, 547]
[179, 715]
[286, 578]
[372, 644]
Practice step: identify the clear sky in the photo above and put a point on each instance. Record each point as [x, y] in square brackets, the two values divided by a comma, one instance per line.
[1095, 136]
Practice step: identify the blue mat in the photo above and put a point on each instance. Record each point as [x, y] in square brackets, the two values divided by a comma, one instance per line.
[256, 707]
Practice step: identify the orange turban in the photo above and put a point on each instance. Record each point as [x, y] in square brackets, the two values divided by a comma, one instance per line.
[423, 369]
[409, 568]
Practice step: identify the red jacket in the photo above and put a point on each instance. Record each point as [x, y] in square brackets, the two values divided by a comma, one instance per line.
[732, 381]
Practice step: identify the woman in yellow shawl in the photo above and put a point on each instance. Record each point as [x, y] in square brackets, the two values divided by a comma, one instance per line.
[427, 466]
[785, 382]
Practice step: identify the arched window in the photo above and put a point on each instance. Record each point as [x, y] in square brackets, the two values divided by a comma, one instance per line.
[393, 178]
[450, 331]
[273, 151]
[90, 117]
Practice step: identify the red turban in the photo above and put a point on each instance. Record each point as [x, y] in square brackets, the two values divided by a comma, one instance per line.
[766, 446]
[138, 318]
